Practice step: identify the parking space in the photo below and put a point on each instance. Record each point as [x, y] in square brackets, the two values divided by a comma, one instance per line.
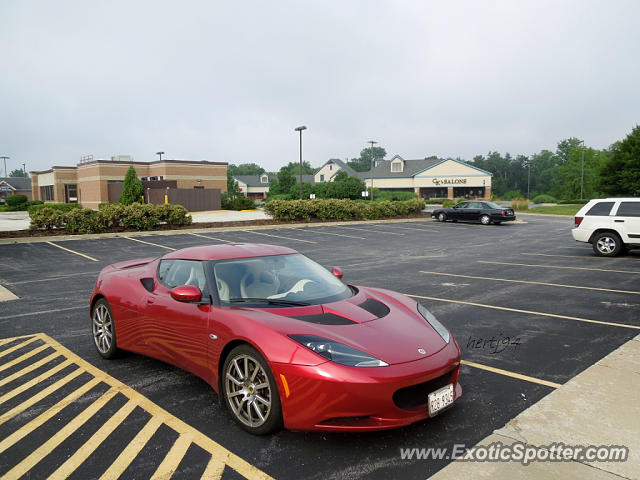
[529, 307]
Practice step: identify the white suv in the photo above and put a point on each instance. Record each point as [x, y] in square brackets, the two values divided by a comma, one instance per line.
[609, 224]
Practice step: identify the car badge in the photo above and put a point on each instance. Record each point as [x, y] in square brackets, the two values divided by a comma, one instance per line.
[422, 351]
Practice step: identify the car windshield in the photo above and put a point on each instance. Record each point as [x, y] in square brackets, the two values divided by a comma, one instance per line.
[493, 205]
[277, 280]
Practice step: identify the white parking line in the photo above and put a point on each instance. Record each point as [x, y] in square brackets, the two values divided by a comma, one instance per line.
[211, 238]
[579, 256]
[559, 266]
[338, 234]
[368, 230]
[279, 236]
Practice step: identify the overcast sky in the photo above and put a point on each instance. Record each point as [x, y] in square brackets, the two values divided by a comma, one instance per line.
[229, 81]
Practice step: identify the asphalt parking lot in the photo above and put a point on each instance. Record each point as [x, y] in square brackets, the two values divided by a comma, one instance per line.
[529, 307]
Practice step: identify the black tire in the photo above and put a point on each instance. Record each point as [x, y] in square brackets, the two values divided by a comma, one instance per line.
[607, 244]
[485, 219]
[497, 223]
[249, 392]
[442, 217]
[103, 329]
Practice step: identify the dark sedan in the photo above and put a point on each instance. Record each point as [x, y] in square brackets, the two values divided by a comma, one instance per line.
[475, 211]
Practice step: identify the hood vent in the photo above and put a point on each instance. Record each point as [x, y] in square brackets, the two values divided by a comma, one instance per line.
[375, 307]
[325, 319]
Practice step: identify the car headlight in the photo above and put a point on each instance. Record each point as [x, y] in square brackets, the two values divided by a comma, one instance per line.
[338, 352]
[433, 321]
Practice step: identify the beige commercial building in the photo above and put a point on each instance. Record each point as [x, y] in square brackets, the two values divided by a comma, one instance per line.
[88, 182]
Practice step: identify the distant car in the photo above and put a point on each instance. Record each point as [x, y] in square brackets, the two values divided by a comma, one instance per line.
[610, 225]
[282, 340]
[475, 211]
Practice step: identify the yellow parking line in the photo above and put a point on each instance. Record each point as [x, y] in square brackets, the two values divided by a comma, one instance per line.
[60, 436]
[577, 256]
[132, 450]
[528, 312]
[18, 346]
[34, 381]
[507, 373]
[339, 235]
[211, 238]
[279, 236]
[23, 357]
[368, 230]
[531, 282]
[214, 469]
[75, 460]
[167, 468]
[149, 243]
[73, 251]
[29, 368]
[560, 267]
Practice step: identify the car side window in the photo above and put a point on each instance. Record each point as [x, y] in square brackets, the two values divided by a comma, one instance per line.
[462, 205]
[600, 209]
[629, 209]
[174, 273]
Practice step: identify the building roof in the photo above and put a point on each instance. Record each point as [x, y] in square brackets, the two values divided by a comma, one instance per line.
[253, 180]
[411, 167]
[343, 166]
[19, 183]
[306, 179]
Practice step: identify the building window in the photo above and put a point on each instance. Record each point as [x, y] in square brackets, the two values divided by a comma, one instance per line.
[396, 166]
[264, 179]
[46, 193]
[322, 178]
[70, 193]
[330, 167]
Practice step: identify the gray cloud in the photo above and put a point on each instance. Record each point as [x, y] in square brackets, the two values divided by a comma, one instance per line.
[225, 81]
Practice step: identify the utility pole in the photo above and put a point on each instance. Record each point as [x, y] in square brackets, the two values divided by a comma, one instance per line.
[582, 172]
[373, 165]
[528, 179]
[300, 129]
[5, 165]
[24, 170]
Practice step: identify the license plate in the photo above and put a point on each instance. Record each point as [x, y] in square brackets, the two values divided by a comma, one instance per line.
[441, 398]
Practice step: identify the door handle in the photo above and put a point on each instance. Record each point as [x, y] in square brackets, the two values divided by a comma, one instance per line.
[619, 221]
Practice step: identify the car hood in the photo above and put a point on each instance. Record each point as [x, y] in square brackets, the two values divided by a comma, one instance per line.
[382, 323]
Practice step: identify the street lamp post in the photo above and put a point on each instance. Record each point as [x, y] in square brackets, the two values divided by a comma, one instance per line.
[300, 129]
[5, 165]
[160, 155]
[582, 172]
[528, 178]
[373, 165]
[24, 169]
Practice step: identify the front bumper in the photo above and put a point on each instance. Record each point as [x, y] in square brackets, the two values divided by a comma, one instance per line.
[333, 397]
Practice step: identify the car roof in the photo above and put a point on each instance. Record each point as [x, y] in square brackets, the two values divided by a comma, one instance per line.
[613, 199]
[228, 250]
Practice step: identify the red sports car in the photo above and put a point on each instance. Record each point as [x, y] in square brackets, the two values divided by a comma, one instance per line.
[282, 340]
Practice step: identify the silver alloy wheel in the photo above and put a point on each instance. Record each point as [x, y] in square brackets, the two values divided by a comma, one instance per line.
[248, 391]
[102, 328]
[606, 245]
[442, 217]
[485, 220]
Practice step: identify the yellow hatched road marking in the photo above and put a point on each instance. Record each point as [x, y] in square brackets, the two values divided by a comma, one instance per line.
[148, 243]
[24, 357]
[220, 457]
[279, 236]
[6, 352]
[529, 282]
[46, 415]
[211, 238]
[73, 251]
[507, 373]
[75, 460]
[34, 381]
[132, 450]
[167, 468]
[47, 447]
[29, 368]
[560, 267]
[529, 312]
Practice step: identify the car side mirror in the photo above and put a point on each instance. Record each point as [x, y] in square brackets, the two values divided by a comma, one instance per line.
[186, 293]
[337, 272]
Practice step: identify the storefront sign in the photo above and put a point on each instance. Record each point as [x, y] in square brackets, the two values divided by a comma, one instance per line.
[449, 181]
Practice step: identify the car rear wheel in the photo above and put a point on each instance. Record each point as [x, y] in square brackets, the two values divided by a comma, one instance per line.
[607, 244]
[442, 217]
[250, 391]
[485, 219]
[104, 329]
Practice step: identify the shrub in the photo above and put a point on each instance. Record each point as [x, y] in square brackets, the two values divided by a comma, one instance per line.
[110, 215]
[82, 220]
[15, 200]
[520, 204]
[131, 188]
[239, 203]
[435, 201]
[47, 218]
[279, 196]
[544, 199]
[63, 207]
[34, 202]
[447, 203]
[511, 194]
[173, 214]
[139, 216]
[392, 195]
[572, 202]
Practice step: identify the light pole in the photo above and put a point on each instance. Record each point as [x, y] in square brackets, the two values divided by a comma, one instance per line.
[300, 129]
[24, 170]
[160, 155]
[582, 171]
[5, 164]
[373, 165]
[528, 178]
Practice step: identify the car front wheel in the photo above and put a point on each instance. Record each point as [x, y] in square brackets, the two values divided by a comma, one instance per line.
[104, 329]
[607, 244]
[442, 217]
[250, 391]
[485, 219]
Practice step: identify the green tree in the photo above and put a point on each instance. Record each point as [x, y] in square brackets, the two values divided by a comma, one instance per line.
[246, 169]
[17, 173]
[283, 183]
[363, 163]
[132, 188]
[620, 174]
[232, 185]
[565, 147]
[294, 168]
[568, 176]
